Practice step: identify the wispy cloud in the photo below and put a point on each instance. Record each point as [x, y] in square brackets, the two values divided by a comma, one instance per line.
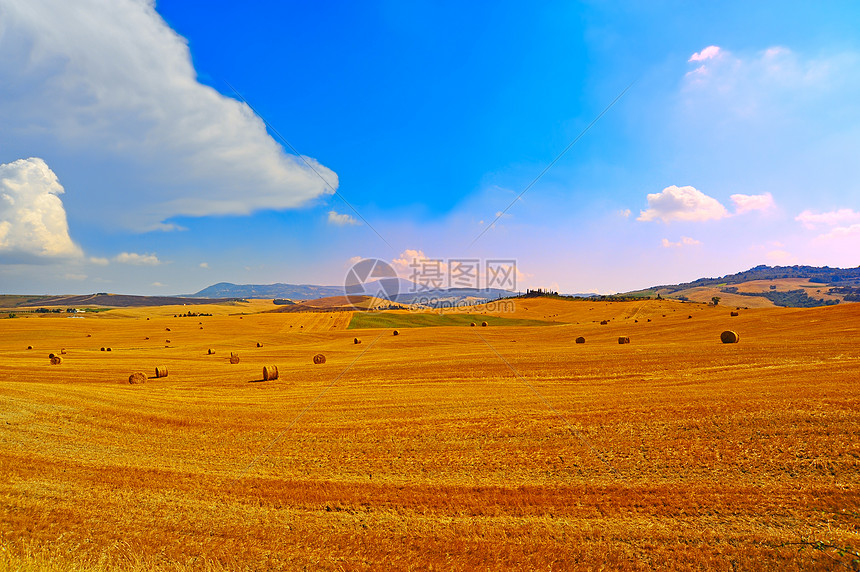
[839, 227]
[775, 82]
[781, 257]
[707, 54]
[137, 259]
[685, 241]
[810, 219]
[747, 203]
[842, 232]
[337, 219]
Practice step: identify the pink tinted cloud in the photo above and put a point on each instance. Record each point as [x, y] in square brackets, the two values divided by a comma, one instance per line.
[707, 54]
[810, 219]
[746, 203]
[685, 241]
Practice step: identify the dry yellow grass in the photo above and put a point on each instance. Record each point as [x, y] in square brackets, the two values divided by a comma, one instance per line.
[451, 448]
[705, 293]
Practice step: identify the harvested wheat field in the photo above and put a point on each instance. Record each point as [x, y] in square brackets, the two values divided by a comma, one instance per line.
[446, 447]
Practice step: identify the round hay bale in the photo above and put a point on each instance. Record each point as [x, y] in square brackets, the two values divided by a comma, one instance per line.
[102, 349]
[137, 377]
[604, 322]
[234, 357]
[319, 358]
[211, 351]
[166, 341]
[356, 341]
[160, 371]
[259, 345]
[729, 337]
[146, 338]
[50, 356]
[56, 360]
[63, 351]
[270, 372]
[89, 335]
[167, 329]
[580, 340]
[29, 347]
[396, 333]
[689, 317]
[733, 314]
[473, 324]
[484, 324]
[623, 340]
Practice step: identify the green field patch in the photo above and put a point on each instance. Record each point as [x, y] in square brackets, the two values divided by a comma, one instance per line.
[362, 320]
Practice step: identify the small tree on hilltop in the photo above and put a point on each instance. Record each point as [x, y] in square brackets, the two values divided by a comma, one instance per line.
[715, 300]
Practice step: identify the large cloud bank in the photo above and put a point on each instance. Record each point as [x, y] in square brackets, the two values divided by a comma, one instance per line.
[107, 90]
[32, 218]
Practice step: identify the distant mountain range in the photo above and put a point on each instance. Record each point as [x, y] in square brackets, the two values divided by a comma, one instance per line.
[787, 286]
[843, 284]
[266, 291]
[817, 274]
[407, 292]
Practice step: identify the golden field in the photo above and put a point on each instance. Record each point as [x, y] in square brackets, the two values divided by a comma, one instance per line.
[443, 448]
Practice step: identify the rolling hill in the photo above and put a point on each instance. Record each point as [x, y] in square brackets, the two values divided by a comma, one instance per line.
[769, 286]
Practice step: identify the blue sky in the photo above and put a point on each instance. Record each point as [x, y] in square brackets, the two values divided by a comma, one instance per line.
[127, 163]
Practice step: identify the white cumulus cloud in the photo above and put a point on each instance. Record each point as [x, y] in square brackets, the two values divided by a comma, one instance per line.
[111, 90]
[341, 219]
[137, 259]
[747, 203]
[33, 225]
[682, 204]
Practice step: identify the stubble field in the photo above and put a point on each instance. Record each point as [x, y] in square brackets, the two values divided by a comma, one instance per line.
[449, 448]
